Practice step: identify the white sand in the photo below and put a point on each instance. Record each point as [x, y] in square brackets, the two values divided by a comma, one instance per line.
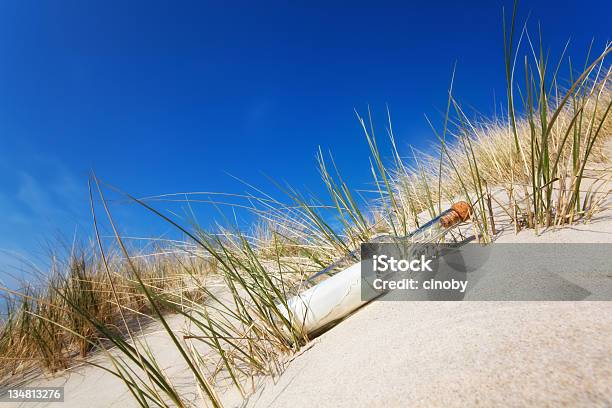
[457, 354]
[88, 386]
[448, 354]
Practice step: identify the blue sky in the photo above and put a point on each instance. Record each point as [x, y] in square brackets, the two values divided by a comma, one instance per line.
[161, 97]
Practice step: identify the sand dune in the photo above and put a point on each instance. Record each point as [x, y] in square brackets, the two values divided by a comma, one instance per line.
[423, 354]
[460, 353]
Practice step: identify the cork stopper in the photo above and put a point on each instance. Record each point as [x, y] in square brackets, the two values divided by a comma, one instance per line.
[459, 212]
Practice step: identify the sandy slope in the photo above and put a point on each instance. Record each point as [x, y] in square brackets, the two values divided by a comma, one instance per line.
[88, 386]
[423, 354]
[457, 354]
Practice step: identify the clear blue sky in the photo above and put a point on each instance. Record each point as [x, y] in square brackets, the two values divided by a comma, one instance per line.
[162, 97]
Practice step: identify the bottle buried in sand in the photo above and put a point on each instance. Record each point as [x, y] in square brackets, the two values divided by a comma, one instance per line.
[341, 294]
